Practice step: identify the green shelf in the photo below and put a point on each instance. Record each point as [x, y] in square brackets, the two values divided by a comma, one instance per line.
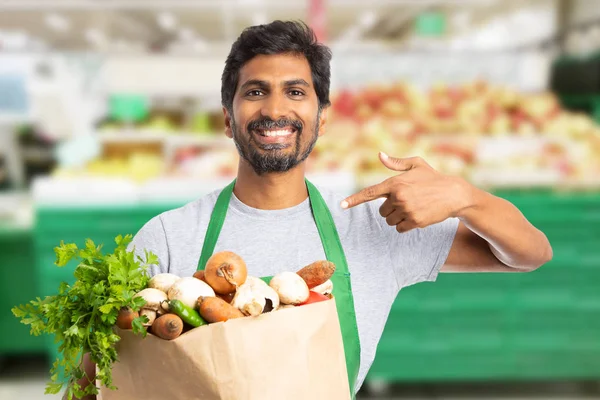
[18, 284]
[539, 325]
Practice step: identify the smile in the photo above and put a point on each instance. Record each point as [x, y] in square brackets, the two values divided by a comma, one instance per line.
[276, 132]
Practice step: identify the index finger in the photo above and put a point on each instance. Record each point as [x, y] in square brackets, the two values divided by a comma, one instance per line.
[367, 194]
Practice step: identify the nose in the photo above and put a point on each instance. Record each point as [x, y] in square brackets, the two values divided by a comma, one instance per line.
[275, 107]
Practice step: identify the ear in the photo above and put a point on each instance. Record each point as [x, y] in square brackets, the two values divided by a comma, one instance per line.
[227, 117]
[323, 120]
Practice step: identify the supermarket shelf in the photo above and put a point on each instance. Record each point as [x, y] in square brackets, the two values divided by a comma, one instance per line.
[82, 191]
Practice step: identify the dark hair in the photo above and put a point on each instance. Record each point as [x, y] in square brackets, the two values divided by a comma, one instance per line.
[278, 37]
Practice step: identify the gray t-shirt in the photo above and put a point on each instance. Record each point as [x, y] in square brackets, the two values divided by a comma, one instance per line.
[381, 260]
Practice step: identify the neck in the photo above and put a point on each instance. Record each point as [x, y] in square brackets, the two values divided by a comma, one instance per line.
[270, 191]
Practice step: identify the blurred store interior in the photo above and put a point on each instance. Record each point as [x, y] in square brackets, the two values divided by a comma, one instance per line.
[110, 114]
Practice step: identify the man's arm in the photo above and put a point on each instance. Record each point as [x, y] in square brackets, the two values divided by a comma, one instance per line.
[90, 371]
[494, 236]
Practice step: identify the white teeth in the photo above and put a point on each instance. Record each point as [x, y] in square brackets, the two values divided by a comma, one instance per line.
[277, 133]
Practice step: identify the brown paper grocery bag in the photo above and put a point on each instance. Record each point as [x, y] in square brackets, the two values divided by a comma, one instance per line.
[289, 354]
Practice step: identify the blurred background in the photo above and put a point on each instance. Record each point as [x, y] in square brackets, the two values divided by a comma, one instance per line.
[110, 114]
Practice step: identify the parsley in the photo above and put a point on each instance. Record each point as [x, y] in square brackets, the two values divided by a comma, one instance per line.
[82, 316]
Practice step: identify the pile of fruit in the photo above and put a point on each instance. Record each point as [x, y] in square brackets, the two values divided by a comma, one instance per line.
[447, 126]
[138, 166]
[476, 108]
[224, 291]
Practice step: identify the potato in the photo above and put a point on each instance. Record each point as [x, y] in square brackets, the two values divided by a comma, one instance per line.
[317, 273]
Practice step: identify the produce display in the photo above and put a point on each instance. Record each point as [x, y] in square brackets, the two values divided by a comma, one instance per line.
[114, 291]
[450, 126]
[139, 166]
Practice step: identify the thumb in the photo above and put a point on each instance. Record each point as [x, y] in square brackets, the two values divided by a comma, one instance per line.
[396, 164]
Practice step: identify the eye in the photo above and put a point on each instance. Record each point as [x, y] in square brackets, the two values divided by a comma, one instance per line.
[254, 93]
[296, 93]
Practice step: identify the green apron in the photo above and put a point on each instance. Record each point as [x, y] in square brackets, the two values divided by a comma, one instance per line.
[342, 289]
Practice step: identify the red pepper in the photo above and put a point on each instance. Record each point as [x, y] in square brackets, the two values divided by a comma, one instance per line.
[314, 297]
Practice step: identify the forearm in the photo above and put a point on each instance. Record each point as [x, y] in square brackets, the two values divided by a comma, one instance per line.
[511, 238]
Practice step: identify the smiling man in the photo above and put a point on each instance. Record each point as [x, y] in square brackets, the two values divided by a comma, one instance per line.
[405, 230]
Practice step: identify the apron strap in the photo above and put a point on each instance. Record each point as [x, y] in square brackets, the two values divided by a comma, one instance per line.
[344, 299]
[329, 235]
[217, 219]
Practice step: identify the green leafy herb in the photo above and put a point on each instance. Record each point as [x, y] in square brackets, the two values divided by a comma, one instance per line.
[81, 317]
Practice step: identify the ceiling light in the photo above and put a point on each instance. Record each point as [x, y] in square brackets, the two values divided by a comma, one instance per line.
[166, 21]
[368, 19]
[57, 22]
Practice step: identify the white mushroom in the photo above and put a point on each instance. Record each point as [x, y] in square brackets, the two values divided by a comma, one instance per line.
[163, 281]
[153, 298]
[290, 287]
[325, 288]
[255, 297]
[188, 289]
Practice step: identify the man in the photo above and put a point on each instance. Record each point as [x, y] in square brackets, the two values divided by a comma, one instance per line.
[404, 230]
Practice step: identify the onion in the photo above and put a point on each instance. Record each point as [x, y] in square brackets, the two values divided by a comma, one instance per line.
[199, 275]
[188, 289]
[225, 271]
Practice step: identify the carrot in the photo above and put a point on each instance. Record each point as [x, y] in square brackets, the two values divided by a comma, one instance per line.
[168, 326]
[126, 317]
[317, 273]
[215, 309]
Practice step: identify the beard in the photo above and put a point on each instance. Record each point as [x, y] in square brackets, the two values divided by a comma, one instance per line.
[267, 158]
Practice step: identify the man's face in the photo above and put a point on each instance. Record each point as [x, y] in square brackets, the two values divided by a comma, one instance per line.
[276, 119]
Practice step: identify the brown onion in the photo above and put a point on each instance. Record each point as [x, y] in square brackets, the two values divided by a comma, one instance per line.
[199, 275]
[225, 271]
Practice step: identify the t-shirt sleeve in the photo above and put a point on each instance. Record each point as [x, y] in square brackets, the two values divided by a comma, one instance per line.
[419, 254]
[152, 238]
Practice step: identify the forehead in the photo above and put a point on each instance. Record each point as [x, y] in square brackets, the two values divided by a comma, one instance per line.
[276, 68]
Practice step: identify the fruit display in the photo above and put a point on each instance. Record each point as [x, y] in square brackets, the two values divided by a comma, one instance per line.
[486, 133]
[114, 292]
[449, 125]
[138, 166]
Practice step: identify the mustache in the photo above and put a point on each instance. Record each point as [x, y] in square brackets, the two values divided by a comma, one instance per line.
[268, 123]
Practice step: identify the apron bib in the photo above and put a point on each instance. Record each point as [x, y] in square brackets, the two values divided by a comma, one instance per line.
[342, 288]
